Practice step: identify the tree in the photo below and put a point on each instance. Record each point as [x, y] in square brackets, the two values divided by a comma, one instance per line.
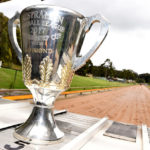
[129, 74]
[108, 67]
[7, 54]
[86, 69]
[145, 77]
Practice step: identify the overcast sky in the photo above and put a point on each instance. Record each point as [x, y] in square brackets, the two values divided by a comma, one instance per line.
[128, 41]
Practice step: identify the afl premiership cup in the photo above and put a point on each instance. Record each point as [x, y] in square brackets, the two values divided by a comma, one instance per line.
[52, 38]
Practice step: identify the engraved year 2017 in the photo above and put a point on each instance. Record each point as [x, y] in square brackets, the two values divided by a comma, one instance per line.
[37, 30]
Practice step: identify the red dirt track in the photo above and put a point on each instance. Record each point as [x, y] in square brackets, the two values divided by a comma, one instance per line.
[127, 104]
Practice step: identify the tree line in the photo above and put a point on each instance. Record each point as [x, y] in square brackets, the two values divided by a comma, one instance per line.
[106, 69]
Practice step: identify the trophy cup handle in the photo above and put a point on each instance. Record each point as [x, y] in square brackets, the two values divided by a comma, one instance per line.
[104, 26]
[12, 26]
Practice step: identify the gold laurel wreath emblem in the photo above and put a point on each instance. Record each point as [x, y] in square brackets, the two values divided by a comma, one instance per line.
[46, 68]
[27, 67]
[66, 75]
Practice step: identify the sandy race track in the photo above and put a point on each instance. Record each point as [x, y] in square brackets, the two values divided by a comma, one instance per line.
[127, 104]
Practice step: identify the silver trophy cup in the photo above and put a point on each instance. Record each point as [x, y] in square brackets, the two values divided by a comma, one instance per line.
[51, 41]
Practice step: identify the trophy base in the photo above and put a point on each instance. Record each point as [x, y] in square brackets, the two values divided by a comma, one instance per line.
[40, 128]
[36, 141]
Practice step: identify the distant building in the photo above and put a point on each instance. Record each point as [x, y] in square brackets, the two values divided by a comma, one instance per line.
[117, 79]
[130, 81]
[89, 75]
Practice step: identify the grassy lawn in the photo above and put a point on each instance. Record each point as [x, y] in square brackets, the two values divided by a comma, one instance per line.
[80, 81]
[7, 80]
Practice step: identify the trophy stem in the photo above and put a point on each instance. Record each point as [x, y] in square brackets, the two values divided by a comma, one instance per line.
[40, 128]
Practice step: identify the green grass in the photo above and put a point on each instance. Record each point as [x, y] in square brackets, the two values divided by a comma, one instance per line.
[7, 79]
[80, 81]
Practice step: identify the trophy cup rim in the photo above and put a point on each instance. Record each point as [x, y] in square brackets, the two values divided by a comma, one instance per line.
[54, 7]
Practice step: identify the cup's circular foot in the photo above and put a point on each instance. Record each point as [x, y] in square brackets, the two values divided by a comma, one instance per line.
[37, 141]
[40, 128]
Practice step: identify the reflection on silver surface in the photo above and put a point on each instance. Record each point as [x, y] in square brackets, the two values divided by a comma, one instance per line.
[41, 126]
[71, 124]
[52, 38]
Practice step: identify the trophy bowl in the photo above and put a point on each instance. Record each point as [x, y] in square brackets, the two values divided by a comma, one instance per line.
[52, 38]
